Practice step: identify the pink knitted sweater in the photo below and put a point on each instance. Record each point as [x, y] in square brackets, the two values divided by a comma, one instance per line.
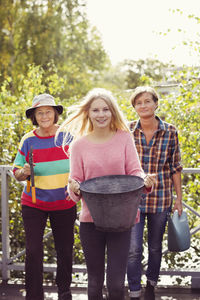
[118, 156]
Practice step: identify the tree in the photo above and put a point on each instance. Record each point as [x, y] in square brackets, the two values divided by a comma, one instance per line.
[40, 32]
[143, 72]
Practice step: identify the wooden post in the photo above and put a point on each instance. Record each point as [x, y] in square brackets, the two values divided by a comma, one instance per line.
[5, 223]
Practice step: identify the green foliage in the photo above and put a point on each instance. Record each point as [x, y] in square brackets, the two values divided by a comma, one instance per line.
[41, 32]
[48, 46]
[143, 72]
[112, 78]
[180, 108]
[78, 251]
[14, 123]
[184, 109]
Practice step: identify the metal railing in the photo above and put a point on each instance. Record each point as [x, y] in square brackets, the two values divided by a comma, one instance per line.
[8, 263]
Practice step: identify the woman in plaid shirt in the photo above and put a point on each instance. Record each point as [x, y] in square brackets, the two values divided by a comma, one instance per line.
[158, 148]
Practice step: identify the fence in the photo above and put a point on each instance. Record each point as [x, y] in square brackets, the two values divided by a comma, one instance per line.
[8, 263]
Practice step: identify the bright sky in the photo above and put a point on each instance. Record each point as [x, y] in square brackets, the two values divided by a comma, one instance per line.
[130, 29]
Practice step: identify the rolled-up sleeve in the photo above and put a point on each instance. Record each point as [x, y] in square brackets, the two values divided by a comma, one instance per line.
[175, 163]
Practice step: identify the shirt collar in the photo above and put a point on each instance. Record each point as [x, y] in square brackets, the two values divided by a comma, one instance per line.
[161, 125]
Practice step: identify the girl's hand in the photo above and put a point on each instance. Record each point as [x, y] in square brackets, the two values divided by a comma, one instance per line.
[74, 186]
[149, 180]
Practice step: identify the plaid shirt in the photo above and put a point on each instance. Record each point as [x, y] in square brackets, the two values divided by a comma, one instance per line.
[162, 157]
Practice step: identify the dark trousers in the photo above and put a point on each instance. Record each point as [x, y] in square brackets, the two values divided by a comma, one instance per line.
[62, 224]
[94, 243]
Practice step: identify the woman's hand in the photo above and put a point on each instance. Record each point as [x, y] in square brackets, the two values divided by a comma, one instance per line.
[149, 180]
[23, 173]
[179, 206]
[74, 186]
[26, 170]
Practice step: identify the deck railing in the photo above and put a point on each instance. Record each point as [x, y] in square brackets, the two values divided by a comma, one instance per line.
[8, 263]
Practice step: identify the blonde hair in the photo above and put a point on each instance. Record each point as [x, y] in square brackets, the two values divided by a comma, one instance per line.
[141, 90]
[78, 122]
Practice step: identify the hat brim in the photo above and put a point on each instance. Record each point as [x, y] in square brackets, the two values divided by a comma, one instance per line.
[29, 111]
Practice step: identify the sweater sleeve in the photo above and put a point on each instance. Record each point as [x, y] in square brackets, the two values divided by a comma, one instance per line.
[20, 158]
[76, 168]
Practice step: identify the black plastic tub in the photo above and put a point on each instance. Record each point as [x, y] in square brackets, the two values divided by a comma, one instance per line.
[113, 200]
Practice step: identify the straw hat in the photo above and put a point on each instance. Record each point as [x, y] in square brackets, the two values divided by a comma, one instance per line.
[43, 100]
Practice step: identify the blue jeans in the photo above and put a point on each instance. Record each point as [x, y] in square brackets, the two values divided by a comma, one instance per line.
[95, 243]
[156, 227]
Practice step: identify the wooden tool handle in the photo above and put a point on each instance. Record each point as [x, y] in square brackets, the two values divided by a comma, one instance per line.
[33, 194]
[28, 187]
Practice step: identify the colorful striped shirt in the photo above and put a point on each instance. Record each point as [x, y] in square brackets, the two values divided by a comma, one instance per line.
[162, 157]
[51, 171]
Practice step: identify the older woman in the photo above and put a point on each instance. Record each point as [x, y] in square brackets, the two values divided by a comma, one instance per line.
[51, 169]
